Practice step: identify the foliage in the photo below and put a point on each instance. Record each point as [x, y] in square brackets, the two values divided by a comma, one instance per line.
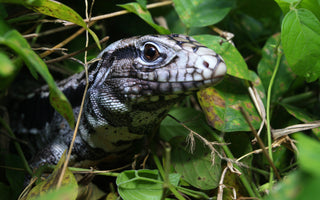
[275, 49]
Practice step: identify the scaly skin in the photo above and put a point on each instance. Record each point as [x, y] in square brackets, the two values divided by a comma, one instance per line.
[131, 89]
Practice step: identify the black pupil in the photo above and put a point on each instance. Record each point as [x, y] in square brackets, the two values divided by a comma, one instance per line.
[150, 52]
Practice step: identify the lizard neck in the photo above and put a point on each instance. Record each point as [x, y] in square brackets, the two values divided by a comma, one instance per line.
[111, 123]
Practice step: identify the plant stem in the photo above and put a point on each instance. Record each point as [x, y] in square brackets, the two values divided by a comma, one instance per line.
[252, 191]
[279, 55]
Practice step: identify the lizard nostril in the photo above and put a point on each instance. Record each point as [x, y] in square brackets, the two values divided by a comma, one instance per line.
[206, 64]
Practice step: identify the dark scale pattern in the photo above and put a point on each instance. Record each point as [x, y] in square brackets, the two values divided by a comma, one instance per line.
[131, 89]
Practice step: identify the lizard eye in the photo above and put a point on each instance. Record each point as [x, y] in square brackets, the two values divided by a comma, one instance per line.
[150, 52]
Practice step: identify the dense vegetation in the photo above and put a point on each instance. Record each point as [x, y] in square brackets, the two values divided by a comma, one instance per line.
[272, 51]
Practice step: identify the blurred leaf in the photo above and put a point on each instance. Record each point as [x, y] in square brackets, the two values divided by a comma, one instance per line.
[24, 2]
[14, 173]
[143, 3]
[197, 13]
[47, 188]
[285, 5]
[309, 154]
[221, 105]
[145, 15]
[296, 186]
[7, 71]
[142, 184]
[284, 77]
[236, 65]
[57, 10]
[16, 42]
[300, 38]
[302, 115]
[312, 5]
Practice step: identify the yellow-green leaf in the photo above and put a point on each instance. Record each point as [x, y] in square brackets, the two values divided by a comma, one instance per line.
[45, 189]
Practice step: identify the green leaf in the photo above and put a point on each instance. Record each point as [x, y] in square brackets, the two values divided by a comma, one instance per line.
[170, 128]
[17, 43]
[142, 184]
[23, 2]
[309, 154]
[300, 38]
[7, 71]
[198, 13]
[302, 115]
[236, 66]
[312, 5]
[296, 186]
[221, 104]
[47, 188]
[284, 77]
[285, 5]
[196, 168]
[145, 15]
[57, 10]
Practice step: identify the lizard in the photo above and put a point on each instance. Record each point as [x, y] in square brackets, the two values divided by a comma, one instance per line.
[131, 89]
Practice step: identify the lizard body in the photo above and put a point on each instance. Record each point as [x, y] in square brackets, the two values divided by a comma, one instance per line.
[132, 87]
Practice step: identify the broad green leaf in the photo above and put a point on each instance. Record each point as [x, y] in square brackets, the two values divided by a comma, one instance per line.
[236, 65]
[145, 15]
[142, 184]
[284, 77]
[57, 10]
[312, 5]
[197, 168]
[296, 186]
[300, 38]
[286, 5]
[47, 188]
[170, 128]
[309, 154]
[302, 115]
[17, 43]
[198, 13]
[221, 104]
[143, 3]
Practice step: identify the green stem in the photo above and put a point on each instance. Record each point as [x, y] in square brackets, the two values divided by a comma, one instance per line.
[252, 191]
[17, 145]
[298, 98]
[165, 174]
[279, 55]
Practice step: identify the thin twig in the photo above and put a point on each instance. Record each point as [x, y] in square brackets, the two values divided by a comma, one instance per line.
[52, 31]
[64, 42]
[118, 13]
[206, 142]
[65, 165]
[260, 143]
[76, 52]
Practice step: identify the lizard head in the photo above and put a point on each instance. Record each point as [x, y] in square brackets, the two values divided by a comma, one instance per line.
[146, 68]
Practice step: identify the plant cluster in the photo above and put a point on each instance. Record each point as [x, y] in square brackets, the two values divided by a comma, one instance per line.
[257, 134]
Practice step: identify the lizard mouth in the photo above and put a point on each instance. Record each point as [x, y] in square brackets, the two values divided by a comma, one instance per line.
[168, 84]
